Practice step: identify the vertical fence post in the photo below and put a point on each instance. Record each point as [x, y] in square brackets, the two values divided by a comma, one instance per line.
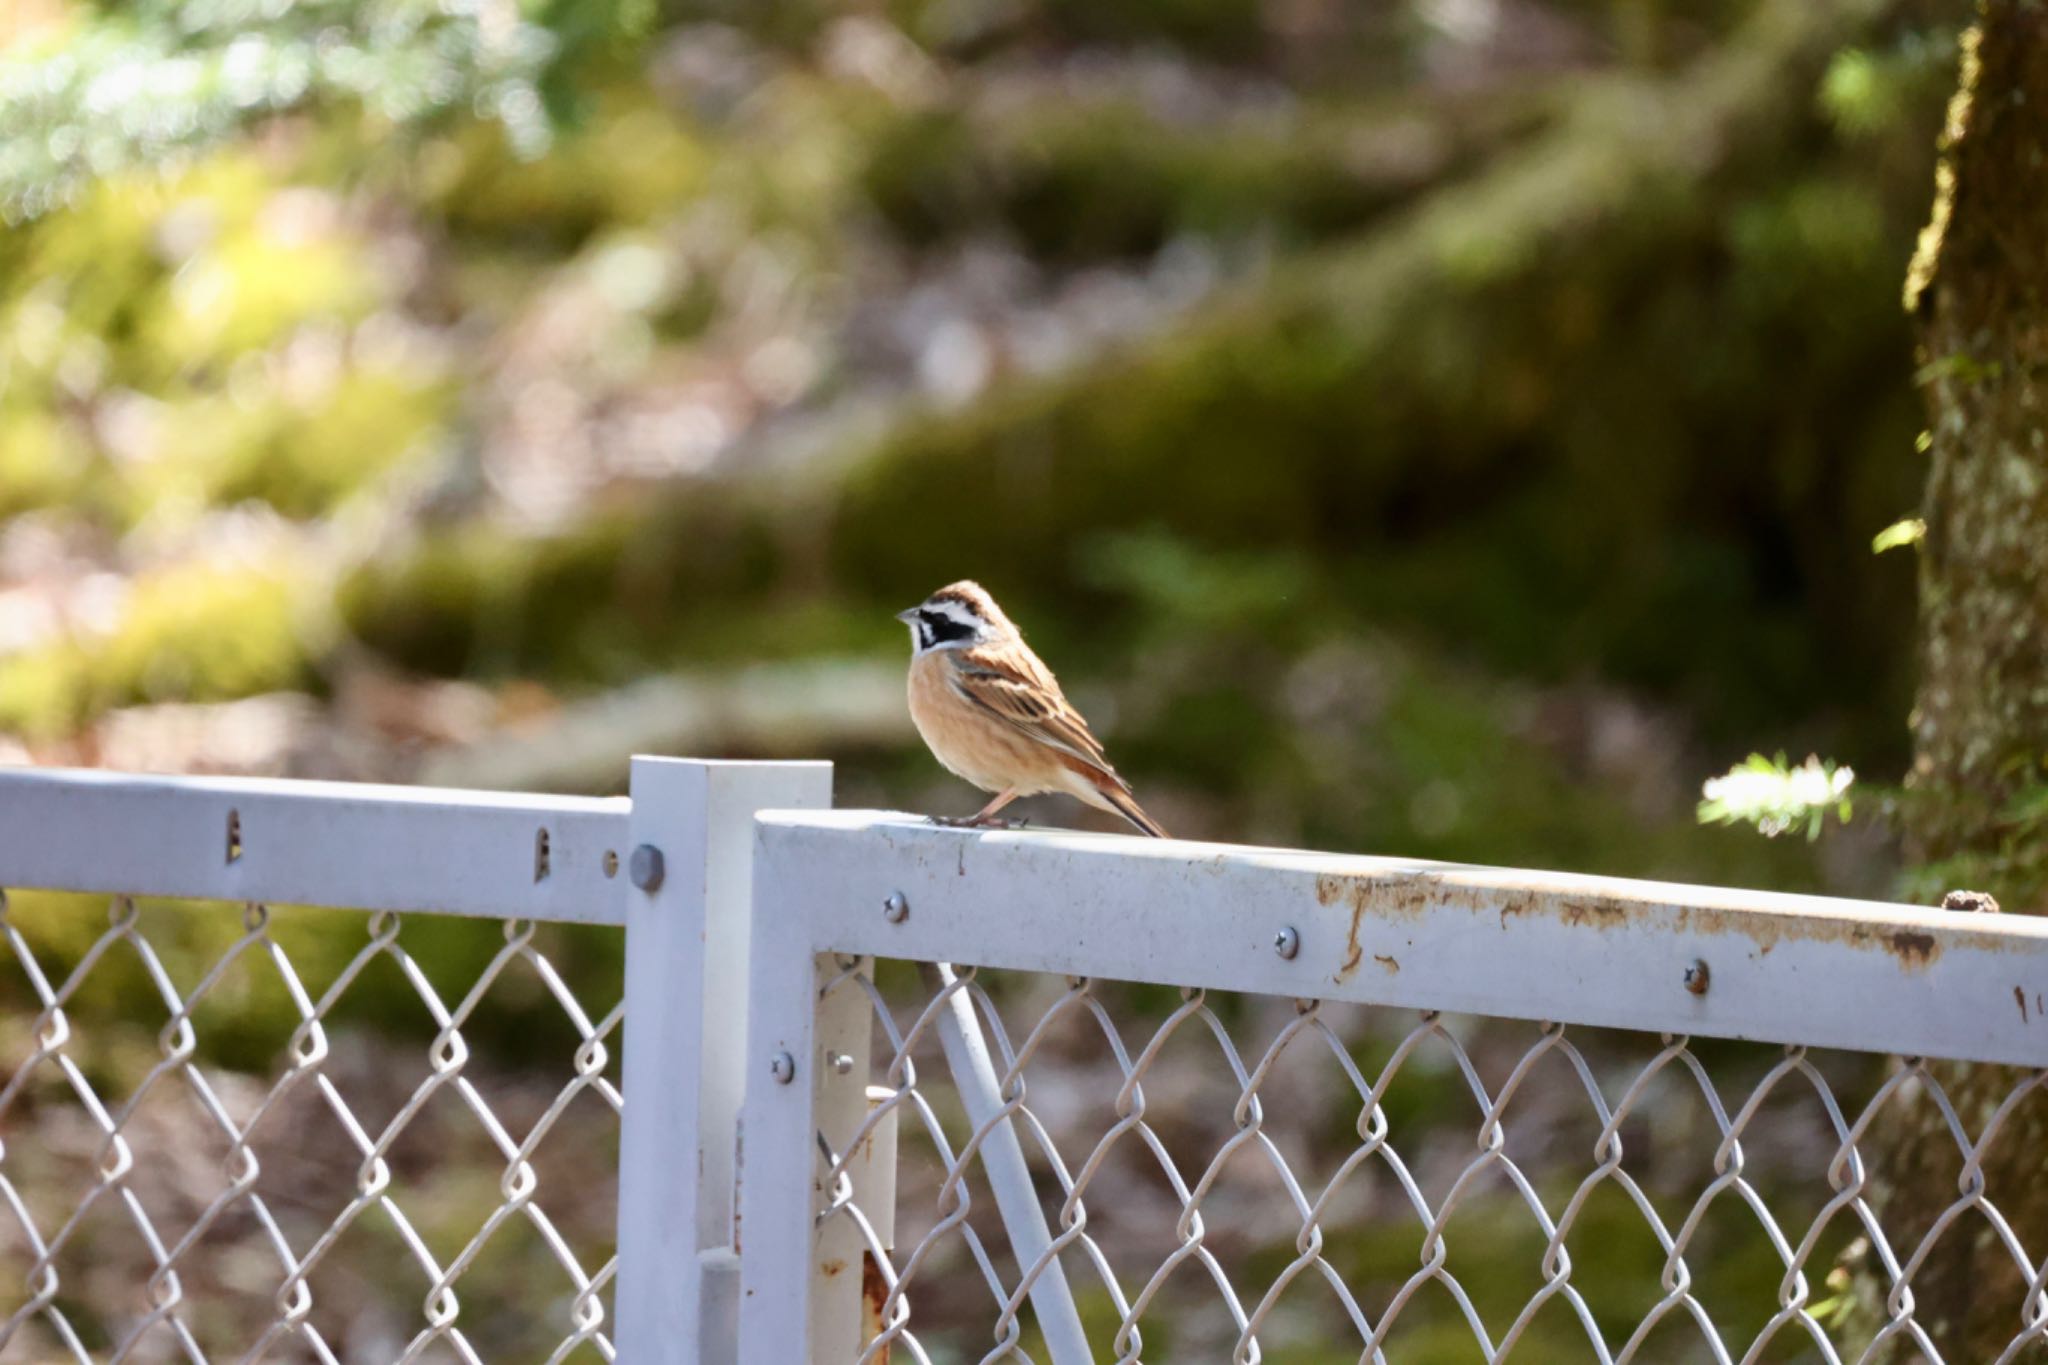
[789, 1087]
[779, 1159]
[839, 1099]
[688, 890]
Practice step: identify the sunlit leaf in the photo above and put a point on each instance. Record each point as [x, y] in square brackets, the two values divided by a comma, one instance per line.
[1774, 797]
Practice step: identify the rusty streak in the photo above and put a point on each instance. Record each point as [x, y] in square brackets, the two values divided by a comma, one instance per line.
[1413, 895]
[1389, 896]
[874, 1296]
[1914, 950]
[1353, 954]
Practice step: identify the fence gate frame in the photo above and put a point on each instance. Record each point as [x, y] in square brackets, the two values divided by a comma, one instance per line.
[670, 864]
[838, 887]
[741, 893]
[688, 902]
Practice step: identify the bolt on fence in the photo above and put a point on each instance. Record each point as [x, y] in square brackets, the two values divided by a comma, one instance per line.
[881, 1091]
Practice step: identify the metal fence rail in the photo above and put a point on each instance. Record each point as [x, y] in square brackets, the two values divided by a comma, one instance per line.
[1029, 1202]
[132, 1197]
[122, 1244]
[881, 1091]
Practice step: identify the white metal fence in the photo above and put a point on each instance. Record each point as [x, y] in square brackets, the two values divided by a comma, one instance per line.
[1187, 1103]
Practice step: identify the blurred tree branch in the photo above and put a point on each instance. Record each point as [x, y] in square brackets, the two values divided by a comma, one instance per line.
[794, 708]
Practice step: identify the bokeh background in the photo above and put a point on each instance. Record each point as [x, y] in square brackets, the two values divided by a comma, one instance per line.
[1451, 428]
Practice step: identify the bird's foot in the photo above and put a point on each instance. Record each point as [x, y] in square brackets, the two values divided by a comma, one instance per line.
[976, 822]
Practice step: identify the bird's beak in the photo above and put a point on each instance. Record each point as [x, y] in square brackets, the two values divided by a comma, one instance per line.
[907, 615]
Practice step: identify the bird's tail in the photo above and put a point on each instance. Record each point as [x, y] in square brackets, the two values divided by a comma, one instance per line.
[1127, 806]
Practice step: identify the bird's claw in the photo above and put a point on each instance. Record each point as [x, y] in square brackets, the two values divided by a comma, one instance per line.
[976, 822]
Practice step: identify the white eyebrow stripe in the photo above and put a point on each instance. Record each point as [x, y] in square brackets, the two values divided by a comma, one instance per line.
[959, 613]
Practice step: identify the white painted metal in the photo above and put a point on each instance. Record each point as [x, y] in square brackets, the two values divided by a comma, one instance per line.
[686, 972]
[779, 1165]
[1002, 1159]
[720, 1258]
[354, 845]
[1530, 945]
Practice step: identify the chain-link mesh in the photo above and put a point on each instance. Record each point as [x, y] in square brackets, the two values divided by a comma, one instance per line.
[360, 1183]
[1255, 1179]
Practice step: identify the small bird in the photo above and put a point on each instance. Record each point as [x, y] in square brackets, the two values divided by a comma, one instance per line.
[993, 713]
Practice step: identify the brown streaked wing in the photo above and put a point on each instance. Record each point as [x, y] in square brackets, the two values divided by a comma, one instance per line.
[1006, 688]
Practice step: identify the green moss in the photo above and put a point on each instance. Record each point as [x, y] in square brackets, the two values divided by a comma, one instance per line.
[301, 457]
[44, 692]
[94, 271]
[1107, 178]
[628, 162]
[149, 324]
[190, 632]
[43, 462]
[257, 280]
[597, 601]
[201, 632]
[168, 277]
[1232, 29]
[1926, 260]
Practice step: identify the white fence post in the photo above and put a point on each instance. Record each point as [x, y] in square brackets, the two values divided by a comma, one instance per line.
[779, 1135]
[688, 902]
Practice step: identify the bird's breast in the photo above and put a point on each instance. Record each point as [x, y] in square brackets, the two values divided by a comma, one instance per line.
[971, 743]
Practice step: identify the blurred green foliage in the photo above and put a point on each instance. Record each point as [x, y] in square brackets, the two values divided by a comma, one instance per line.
[1511, 388]
[198, 632]
[1513, 463]
[121, 87]
[1090, 180]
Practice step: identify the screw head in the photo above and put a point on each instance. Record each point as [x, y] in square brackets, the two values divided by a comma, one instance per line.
[895, 907]
[782, 1067]
[1696, 977]
[646, 867]
[1287, 942]
[842, 1063]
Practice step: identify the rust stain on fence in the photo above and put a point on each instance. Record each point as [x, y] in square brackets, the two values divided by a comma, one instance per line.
[1914, 949]
[1389, 896]
[1408, 897]
[1418, 895]
[874, 1294]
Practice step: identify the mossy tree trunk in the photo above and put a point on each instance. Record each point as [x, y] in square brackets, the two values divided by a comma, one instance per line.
[1978, 289]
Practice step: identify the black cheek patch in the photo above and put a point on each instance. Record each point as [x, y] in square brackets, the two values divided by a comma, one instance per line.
[939, 628]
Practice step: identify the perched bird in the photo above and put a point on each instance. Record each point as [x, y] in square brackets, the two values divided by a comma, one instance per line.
[994, 714]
